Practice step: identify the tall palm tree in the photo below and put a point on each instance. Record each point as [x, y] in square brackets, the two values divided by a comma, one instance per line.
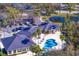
[39, 31]
[72, 35]
[37, 34]
[36, 49]
[70, 8]
[13, 13]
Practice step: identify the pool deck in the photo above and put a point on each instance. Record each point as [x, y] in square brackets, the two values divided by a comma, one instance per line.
[55, 36]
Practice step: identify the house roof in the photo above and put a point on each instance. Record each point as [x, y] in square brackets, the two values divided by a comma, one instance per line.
[51, 26]
[28, 34]
[43, 25]
[54, 26]
[47, 26]
[21, 28]
[22, 7]
[1, 17]
[28, 7]
[4, 34]
[16, 42]
[28, 20]
[37, 20]
[33, 29]
[7, 41]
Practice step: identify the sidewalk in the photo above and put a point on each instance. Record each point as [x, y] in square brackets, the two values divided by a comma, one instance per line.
[29, 53]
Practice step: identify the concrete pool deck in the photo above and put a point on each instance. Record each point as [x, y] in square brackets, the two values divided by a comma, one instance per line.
[55, 36]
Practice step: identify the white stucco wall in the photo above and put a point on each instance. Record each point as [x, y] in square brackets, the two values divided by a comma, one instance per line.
[1, 45]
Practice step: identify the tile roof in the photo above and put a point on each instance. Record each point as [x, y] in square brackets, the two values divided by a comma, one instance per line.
[28, 34]
[22, 7]
[43, 25]
[37, 20]
[7, 42]
[28, 20]
[1, 17]
[33, 29]
[47, 26]
[16, 42]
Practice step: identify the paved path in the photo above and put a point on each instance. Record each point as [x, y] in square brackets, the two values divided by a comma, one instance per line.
[62, 11]
[29, 53]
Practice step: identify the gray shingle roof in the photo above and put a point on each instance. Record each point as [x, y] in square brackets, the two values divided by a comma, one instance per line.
[16, 42]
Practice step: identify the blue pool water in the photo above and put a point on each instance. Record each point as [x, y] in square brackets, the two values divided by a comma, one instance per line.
[57, 18]
[49, 44]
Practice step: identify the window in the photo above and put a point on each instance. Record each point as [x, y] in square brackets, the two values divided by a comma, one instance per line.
[9, 52]
[24, 49]
[14, 51]
[27, 49]
[19, 50]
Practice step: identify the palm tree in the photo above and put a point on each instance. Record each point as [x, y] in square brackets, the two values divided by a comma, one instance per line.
[70, 8]
[37, 33]
[13, 13]
[34, 35]
[62, 37]
[72, 35]
[35, 49]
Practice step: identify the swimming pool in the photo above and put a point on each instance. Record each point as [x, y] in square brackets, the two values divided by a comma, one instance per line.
[49, 44]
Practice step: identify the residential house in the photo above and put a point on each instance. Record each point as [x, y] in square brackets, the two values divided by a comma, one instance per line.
[16, 44]
[21, 41]
[49, 26]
